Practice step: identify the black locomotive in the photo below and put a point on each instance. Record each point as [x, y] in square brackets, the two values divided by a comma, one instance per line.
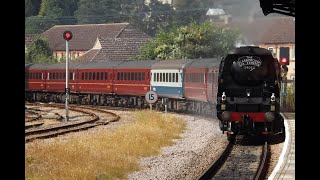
[248, 97]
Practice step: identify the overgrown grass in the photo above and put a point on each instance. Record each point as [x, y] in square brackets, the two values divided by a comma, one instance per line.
[103, 155]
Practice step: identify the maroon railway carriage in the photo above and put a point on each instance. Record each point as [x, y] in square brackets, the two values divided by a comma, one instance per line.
[97, 77]
[132, 81]
[56, 77]
[95, 81]
[35, 77]
[200, 78]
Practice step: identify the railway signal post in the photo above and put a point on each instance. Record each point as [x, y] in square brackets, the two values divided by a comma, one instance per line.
[67, 35]
[151, 97]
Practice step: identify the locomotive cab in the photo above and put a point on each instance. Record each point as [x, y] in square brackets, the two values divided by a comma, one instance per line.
[248, 97]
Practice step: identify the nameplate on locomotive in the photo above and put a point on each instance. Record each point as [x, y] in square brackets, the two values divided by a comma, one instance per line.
[249, 62]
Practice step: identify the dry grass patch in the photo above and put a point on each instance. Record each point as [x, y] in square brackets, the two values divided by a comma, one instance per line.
[103, 155]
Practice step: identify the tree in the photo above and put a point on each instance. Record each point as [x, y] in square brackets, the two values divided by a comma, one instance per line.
[161, 16]
[39, 52]
[37, 24]
[188, 11]
[60, 10]
[31, 7]
[193, 41]
[98, 11]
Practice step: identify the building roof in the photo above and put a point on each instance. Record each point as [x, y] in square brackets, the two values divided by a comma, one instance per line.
[114, 49]
[266, 30]
[85, 35]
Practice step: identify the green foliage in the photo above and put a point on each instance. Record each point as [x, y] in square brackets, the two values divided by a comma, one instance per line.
[37, 24]
[59, 11]
[194, 41]
[31, 7]
[159, 16]
[98, 11]
[188, 11]
[39, 52]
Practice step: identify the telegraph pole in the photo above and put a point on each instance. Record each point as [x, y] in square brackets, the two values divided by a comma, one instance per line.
[67, 35]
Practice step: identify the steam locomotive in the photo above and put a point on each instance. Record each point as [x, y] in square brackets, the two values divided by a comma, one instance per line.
[248, 97]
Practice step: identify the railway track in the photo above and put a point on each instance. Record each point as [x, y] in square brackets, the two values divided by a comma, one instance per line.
[71, 126]
[30, 115]
[240, 161]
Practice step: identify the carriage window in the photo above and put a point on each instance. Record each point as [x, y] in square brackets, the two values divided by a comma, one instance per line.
[101, 75]
[98, 76]
[106, 76]
[129, 76]
[93, 76]
[90, 75]
[143, 76]
[139, 76]
[118, 76]
[125, 76]
[87, 77]
[176, 77]
[132, 76]
[71, 76]
[166, 75]
[135, 76]
[121, 76]
[60, 75]
[163, 77]
[170, 74]
[160, 77]
[154, 77]
[82, 76]
[42, 76]
[64, 75]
